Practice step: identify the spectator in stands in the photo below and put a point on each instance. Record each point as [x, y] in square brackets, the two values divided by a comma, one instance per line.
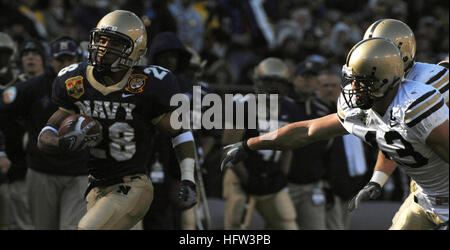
[33, 60]
[189, 24]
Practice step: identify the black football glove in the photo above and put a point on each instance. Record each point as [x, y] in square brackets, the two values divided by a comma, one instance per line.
[77, 140]
[235, 153]
[371, 191]
[187, 195]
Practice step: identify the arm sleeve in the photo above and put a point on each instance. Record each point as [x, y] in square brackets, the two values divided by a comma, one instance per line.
[60, 96]
[162, 94]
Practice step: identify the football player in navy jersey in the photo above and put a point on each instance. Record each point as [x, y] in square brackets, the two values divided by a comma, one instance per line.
[259, 183]
[405, 119]
[126, 100]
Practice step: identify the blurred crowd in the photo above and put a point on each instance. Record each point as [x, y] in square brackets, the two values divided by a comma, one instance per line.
[233, 35]
[228, 38]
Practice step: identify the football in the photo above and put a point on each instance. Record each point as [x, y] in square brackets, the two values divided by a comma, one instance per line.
[70, 123]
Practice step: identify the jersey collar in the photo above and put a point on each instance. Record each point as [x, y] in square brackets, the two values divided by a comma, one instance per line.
[105, 90]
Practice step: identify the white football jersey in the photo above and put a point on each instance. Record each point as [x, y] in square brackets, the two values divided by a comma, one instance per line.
[430, 74]
[401, 133]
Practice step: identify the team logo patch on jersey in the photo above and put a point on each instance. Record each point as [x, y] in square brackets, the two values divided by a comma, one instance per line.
[136, 83]
[9, 95]
[74, 86]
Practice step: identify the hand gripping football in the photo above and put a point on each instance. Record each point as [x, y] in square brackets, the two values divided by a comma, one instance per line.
[84, 130]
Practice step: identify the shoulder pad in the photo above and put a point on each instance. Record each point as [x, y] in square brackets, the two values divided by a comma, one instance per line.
[430, 74]
[72, 69]
[420, 101]
[154, 71]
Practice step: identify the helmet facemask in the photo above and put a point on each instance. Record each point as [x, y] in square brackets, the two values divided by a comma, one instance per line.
[363, 91]
[99, 53]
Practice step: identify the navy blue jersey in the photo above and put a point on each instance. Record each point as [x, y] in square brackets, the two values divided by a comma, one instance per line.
[13, 131]
[264, 166]
[30, 102]
[125, 111]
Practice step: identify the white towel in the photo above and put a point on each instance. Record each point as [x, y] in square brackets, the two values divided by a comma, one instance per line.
[355, 155]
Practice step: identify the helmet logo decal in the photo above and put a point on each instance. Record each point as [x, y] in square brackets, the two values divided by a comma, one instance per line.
[74, 86]
[108, 27]
[136, 83]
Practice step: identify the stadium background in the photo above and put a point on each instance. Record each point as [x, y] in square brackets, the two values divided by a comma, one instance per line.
[232, 36]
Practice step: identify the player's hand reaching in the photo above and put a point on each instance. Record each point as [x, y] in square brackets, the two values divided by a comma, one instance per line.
[187, 195]
[234, 153]
[371, 191]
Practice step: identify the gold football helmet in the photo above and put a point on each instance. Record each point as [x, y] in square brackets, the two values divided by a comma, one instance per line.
[271, 76]
[399, 33]
[8, 50]
[373, 67]
[123, 28]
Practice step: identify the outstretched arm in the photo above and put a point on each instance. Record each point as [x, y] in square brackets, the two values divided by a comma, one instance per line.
[299, 134]
[291, 136]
